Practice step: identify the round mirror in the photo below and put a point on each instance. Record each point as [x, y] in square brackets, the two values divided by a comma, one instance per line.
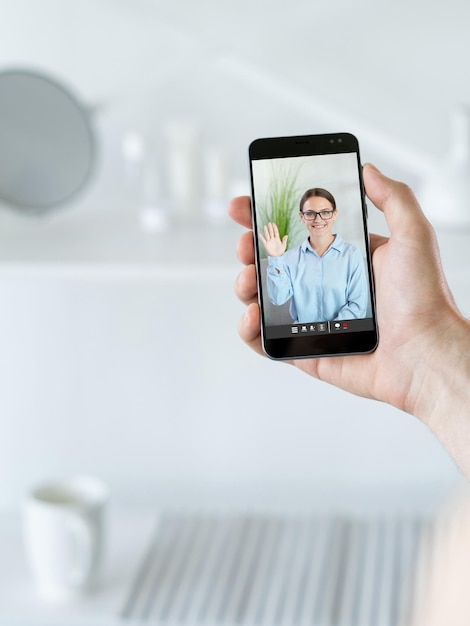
[47, 147]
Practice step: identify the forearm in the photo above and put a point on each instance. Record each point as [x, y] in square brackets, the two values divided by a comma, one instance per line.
[440, 391]
[357, 294]
[278, 282]
[352, 310]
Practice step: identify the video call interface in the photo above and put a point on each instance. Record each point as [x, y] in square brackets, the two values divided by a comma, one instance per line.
[317, 281]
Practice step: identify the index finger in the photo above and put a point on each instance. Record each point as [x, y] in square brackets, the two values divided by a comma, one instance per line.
[239, 209]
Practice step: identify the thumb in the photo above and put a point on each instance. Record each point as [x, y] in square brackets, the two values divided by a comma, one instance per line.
[397, 201]
[284, 240]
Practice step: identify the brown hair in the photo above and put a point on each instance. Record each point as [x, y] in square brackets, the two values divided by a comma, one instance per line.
[319, 192]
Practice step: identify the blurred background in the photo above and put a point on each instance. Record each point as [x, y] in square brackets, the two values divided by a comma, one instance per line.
[119, 347]
[119, 353]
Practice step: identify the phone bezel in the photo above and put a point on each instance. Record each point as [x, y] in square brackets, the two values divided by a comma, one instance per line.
[308, 346]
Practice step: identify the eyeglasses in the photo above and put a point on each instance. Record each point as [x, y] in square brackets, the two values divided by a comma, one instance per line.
[311, 216]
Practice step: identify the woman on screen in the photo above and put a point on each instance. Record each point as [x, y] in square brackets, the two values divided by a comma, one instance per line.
[325, 276]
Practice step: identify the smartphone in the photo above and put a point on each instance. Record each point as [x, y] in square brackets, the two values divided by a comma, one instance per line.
[315, 283]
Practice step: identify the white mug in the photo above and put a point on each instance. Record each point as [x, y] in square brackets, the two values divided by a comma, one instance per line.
[64, 534]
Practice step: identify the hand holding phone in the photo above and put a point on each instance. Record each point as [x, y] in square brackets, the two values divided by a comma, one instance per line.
[423, 334]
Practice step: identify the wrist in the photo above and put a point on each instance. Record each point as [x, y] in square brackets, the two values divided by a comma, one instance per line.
[276, 261]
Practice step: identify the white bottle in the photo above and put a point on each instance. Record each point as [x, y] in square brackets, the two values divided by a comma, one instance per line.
[445, 195]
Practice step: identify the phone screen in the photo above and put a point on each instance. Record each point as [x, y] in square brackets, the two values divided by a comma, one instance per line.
[312, 247]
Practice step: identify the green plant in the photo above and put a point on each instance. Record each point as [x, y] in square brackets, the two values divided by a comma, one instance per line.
[281, 204]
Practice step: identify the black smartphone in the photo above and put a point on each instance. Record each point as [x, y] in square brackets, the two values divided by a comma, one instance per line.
[315, 282]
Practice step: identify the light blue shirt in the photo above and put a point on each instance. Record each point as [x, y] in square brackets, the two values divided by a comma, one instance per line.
[323, 288]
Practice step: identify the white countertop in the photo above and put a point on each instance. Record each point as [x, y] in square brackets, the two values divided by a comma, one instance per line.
[208, 564]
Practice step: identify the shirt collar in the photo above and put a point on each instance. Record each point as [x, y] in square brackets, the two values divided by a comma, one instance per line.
[338, 244]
